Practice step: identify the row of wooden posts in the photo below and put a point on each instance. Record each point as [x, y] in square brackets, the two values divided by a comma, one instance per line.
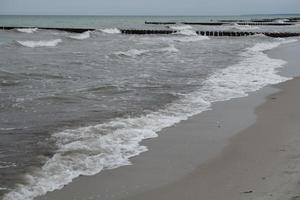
[212, 33]
[169, 31]
[223, 23]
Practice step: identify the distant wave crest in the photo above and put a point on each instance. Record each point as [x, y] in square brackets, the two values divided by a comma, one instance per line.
[138, 52]
[244, 27]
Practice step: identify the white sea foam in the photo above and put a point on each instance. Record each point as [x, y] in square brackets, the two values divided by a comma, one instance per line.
[182, 27]
[187, 32]
[174, 38]
[190, 38]
[41, 43]
[6, 165]
[184, 33]
[138, 52]
[244, 27]
[281, 21]
[88, 150]
[27, 30]
[81, 36]
[110, 30]
[267, 46]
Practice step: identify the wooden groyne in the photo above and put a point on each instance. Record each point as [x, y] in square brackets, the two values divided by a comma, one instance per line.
[257, 22]
[211, 33]
[242, 20]
[267, 20]
[239, 23]
[265, 24]
[143, 32]
[169, 31]
[223, 23]
[71, 30]
[294, 19]
[162, 23]
[240, 33]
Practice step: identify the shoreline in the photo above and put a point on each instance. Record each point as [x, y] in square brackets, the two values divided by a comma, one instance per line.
[261, 162]
[175, 158]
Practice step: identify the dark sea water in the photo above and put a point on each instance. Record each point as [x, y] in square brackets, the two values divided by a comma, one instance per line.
[74, 104]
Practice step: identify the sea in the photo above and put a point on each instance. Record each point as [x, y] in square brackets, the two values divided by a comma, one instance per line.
[76, 104]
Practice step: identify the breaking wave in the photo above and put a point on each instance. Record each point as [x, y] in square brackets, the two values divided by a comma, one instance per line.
[138, 52]
[244, 27]
[81, 36]
[186, 32]
[41, 43]
[281, 21]
[88, 150]
[27, 30]
[110, 30]
[182, 27]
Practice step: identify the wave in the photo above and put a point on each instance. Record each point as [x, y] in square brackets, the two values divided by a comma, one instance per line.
[132, 52]
[281, 21]
[41, 43]
[174, 38]
[110, 30]
[27, 30]
[244, 27]
[138, 52]
[186, 32]
[170, 49]
[81, 36]
[6, 165]
[267, 46]
[182, 27]
[89, 150]
[190, 39]
[7, 129]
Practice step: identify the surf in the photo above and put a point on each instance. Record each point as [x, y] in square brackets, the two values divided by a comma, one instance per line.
[40, 43]
[91, 149]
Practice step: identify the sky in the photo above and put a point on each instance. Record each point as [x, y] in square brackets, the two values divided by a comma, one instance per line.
[148, 7]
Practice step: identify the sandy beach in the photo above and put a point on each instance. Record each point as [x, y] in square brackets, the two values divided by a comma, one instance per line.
[246, 148]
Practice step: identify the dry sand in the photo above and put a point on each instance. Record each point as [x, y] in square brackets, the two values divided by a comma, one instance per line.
[232, 152]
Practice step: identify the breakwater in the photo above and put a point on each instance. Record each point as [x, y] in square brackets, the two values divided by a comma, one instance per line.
[223, 23]
[168, 31]
[212, 33]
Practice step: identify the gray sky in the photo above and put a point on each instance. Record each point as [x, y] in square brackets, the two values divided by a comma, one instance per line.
[148, 7]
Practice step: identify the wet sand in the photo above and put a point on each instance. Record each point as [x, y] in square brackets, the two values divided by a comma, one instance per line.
[246, 148]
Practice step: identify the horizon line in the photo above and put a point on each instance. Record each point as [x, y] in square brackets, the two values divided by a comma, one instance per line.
[148, 15]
